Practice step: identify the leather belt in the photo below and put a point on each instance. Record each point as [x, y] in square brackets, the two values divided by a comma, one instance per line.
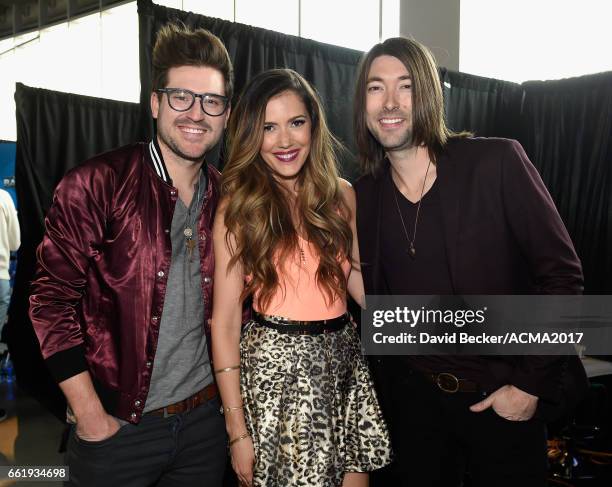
[192, 402]
[451, 384]
[285, 325]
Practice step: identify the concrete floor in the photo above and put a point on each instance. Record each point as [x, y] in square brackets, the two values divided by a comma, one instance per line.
[29, 436]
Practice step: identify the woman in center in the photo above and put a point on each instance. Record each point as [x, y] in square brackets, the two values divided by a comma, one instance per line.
[298, 399]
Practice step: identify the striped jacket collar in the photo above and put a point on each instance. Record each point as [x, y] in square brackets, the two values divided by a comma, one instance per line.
[157, 161]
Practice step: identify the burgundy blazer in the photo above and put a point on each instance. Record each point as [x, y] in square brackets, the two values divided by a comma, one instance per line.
[502, 233]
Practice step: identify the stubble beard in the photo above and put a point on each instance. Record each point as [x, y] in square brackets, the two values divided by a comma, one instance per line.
[173, 145]
[392, 143]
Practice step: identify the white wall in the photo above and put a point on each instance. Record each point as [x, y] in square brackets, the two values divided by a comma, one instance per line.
[516, 40]
[535, 39]
[96, 55]
[434, 23]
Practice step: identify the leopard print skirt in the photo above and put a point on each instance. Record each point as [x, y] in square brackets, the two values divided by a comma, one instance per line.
[310, 406]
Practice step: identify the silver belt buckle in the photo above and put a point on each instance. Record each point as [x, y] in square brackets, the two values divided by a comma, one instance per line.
[447, 382]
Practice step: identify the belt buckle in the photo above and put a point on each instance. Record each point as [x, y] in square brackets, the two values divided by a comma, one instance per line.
[447, 382]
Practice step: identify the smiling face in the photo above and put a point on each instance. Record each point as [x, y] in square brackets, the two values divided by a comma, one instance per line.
[185, 137]
[287, 135]
[389, 103]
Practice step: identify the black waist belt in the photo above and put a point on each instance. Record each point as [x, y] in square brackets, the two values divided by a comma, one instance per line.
[450, 383]
[284, 325]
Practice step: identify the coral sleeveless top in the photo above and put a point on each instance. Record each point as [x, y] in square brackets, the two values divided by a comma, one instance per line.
[299, 297]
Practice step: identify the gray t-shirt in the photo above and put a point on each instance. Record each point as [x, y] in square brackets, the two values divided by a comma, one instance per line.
[181, 366]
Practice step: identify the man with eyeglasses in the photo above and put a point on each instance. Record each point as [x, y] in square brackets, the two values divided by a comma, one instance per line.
[121, 302]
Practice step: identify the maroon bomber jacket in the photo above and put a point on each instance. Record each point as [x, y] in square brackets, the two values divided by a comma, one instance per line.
[99, 289]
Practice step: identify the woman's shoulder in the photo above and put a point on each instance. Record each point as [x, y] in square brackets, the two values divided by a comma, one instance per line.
[345, 185]
[348, 192]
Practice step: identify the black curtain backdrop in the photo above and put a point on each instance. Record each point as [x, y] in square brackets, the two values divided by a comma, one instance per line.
[487, 107]
[55, 132]
[565, 127]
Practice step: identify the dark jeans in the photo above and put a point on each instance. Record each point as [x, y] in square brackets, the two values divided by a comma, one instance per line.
[437, 439]
[185, 450]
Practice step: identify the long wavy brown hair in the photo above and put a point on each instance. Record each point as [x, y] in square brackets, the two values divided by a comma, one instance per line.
[262, 218]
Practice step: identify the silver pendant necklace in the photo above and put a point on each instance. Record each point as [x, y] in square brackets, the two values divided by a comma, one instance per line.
[190, 221]
[410, 241]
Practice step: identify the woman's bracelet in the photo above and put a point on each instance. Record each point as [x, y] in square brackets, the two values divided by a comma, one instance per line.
[241, 437]
[227, 369]
[231, 408]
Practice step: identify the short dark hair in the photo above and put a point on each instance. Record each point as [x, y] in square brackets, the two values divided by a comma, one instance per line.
[177, 45]
[428, 125]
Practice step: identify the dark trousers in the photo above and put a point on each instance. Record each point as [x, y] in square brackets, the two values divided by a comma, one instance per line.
[437, 440]
[185, 450]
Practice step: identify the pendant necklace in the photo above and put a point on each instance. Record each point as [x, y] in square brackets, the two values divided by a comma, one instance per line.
[302, 255]
[190, 222]
[301, 241]
[411, 248]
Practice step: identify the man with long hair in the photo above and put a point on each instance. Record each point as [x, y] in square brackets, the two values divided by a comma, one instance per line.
[122, 298]
[440, 213]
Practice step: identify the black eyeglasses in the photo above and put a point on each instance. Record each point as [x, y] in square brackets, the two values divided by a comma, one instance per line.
[182, 100]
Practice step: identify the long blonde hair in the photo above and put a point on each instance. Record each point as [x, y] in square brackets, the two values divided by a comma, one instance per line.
[258, 213]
